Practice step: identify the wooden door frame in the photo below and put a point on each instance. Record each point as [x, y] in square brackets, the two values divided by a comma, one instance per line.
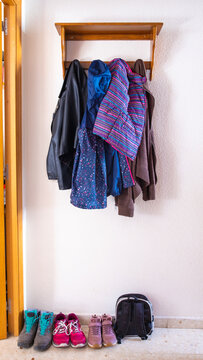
[13, 159]
[3, 321]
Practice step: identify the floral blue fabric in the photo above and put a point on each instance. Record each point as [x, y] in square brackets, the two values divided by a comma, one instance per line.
[99, 170]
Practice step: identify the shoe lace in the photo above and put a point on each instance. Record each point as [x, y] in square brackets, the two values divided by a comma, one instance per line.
[107, 329]
[95, 329]
[73, 326]
[44, 323]
[30, 322]
[61, 328]
[95, 325]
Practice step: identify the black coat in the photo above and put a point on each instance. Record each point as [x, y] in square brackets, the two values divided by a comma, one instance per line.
[65, 125]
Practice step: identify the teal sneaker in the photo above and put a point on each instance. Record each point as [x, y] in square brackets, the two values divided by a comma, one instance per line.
[43, 338]
[27, 335]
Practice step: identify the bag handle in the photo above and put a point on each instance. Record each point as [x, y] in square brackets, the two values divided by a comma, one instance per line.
[133, 295]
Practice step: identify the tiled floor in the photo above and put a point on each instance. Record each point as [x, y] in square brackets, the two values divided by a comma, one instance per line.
[164, 344]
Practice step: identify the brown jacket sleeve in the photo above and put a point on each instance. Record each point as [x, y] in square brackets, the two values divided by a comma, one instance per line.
[143, 168]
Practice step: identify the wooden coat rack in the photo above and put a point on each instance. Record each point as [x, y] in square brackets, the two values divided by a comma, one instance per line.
[108, 31]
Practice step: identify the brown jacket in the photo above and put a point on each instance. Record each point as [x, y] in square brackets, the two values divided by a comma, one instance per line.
[143, 168]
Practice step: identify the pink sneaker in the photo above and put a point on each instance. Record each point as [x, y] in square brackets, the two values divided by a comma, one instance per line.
[94, 335]
[77, 336]
[60, 333]
[108, 335]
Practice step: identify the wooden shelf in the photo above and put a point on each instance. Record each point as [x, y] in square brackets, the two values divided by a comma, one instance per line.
[108, 31]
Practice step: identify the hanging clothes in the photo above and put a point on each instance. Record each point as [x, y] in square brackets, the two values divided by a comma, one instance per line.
[120, 119]
[65, 124]
[119, 174]
[89, 183]
[98, 170]
[144, 167]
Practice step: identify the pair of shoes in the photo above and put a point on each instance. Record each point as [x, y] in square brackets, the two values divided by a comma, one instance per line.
[67, 331]
[37, 330]
[101, 331]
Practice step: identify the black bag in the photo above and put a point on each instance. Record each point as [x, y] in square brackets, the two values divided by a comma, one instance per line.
[133, 317]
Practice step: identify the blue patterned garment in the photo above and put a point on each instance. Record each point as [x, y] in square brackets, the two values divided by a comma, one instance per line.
[89, 180]
[99, 170]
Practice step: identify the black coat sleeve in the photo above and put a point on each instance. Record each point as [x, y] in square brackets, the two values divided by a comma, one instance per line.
[65, 124]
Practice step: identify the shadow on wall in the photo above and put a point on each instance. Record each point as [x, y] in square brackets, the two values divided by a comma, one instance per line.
[164, 123]
[40, 260]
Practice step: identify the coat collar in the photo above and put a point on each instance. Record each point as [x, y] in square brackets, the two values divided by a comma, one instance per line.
[98, 80]
[117, 63]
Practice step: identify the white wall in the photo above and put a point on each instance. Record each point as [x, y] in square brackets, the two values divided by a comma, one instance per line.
[79, 260]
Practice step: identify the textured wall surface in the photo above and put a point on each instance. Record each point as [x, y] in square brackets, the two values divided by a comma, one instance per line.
[81, 261]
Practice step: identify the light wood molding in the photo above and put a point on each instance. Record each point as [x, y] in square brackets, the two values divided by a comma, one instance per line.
[84, 30]
[13, 157]
[10, 160]
[3, 317]
[63, 49]
[153, 50]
